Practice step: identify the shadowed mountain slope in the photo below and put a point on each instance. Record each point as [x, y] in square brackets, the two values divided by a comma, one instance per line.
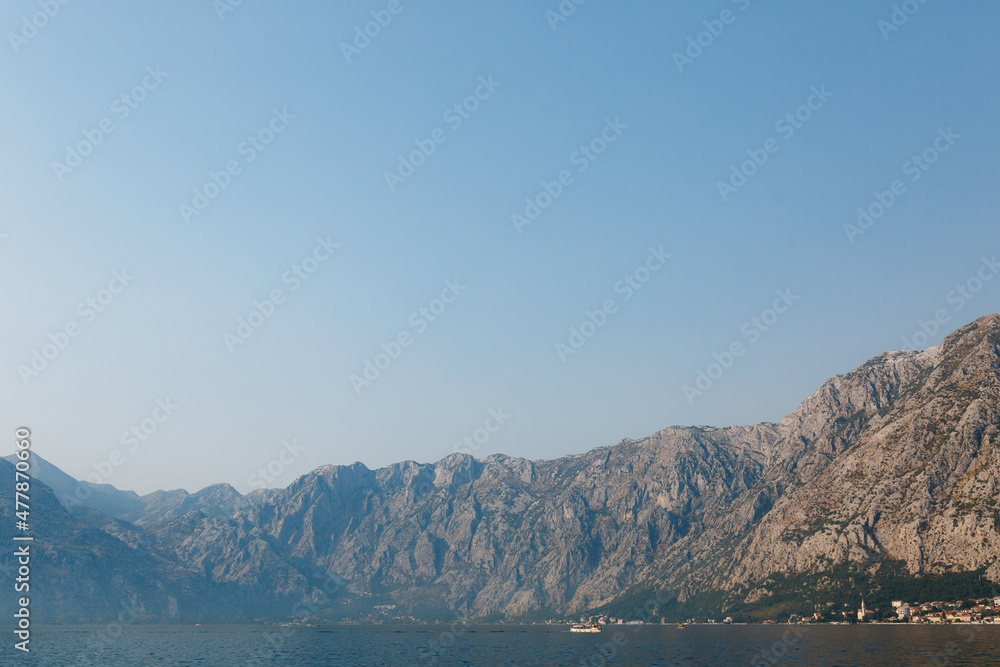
[894, 462]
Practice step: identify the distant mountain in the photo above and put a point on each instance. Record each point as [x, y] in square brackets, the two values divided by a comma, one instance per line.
[218, 500]
[73, 493]
[87, 567]
[888, 474]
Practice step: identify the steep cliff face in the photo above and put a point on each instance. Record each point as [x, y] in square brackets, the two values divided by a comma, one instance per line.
[897, 460]
[506, 535]
[87, 566]
[917, 482]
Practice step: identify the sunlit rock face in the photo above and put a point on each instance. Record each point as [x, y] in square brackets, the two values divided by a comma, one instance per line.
[896, 460]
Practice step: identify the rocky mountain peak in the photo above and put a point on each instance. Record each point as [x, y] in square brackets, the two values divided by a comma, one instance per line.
[897, 461]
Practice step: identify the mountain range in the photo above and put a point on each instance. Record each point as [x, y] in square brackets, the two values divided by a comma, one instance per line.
[885, 479]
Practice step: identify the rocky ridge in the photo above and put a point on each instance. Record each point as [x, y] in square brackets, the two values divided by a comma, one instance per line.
[895, 461]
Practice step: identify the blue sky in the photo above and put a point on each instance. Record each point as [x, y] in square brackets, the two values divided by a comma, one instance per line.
[554, 87]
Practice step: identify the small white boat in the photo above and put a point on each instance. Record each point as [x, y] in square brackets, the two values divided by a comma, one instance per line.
[585, 627]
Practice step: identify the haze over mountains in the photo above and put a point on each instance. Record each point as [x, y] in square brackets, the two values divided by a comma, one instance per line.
[894, 465]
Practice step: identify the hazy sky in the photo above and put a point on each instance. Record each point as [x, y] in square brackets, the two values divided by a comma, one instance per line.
[507, 168]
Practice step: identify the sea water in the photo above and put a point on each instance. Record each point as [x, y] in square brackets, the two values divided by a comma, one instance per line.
[510, 645]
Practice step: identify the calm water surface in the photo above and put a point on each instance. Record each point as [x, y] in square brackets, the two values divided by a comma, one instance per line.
[511, 646]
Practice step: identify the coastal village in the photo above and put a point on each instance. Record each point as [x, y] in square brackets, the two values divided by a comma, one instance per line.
[983, 610]
[976, 611]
